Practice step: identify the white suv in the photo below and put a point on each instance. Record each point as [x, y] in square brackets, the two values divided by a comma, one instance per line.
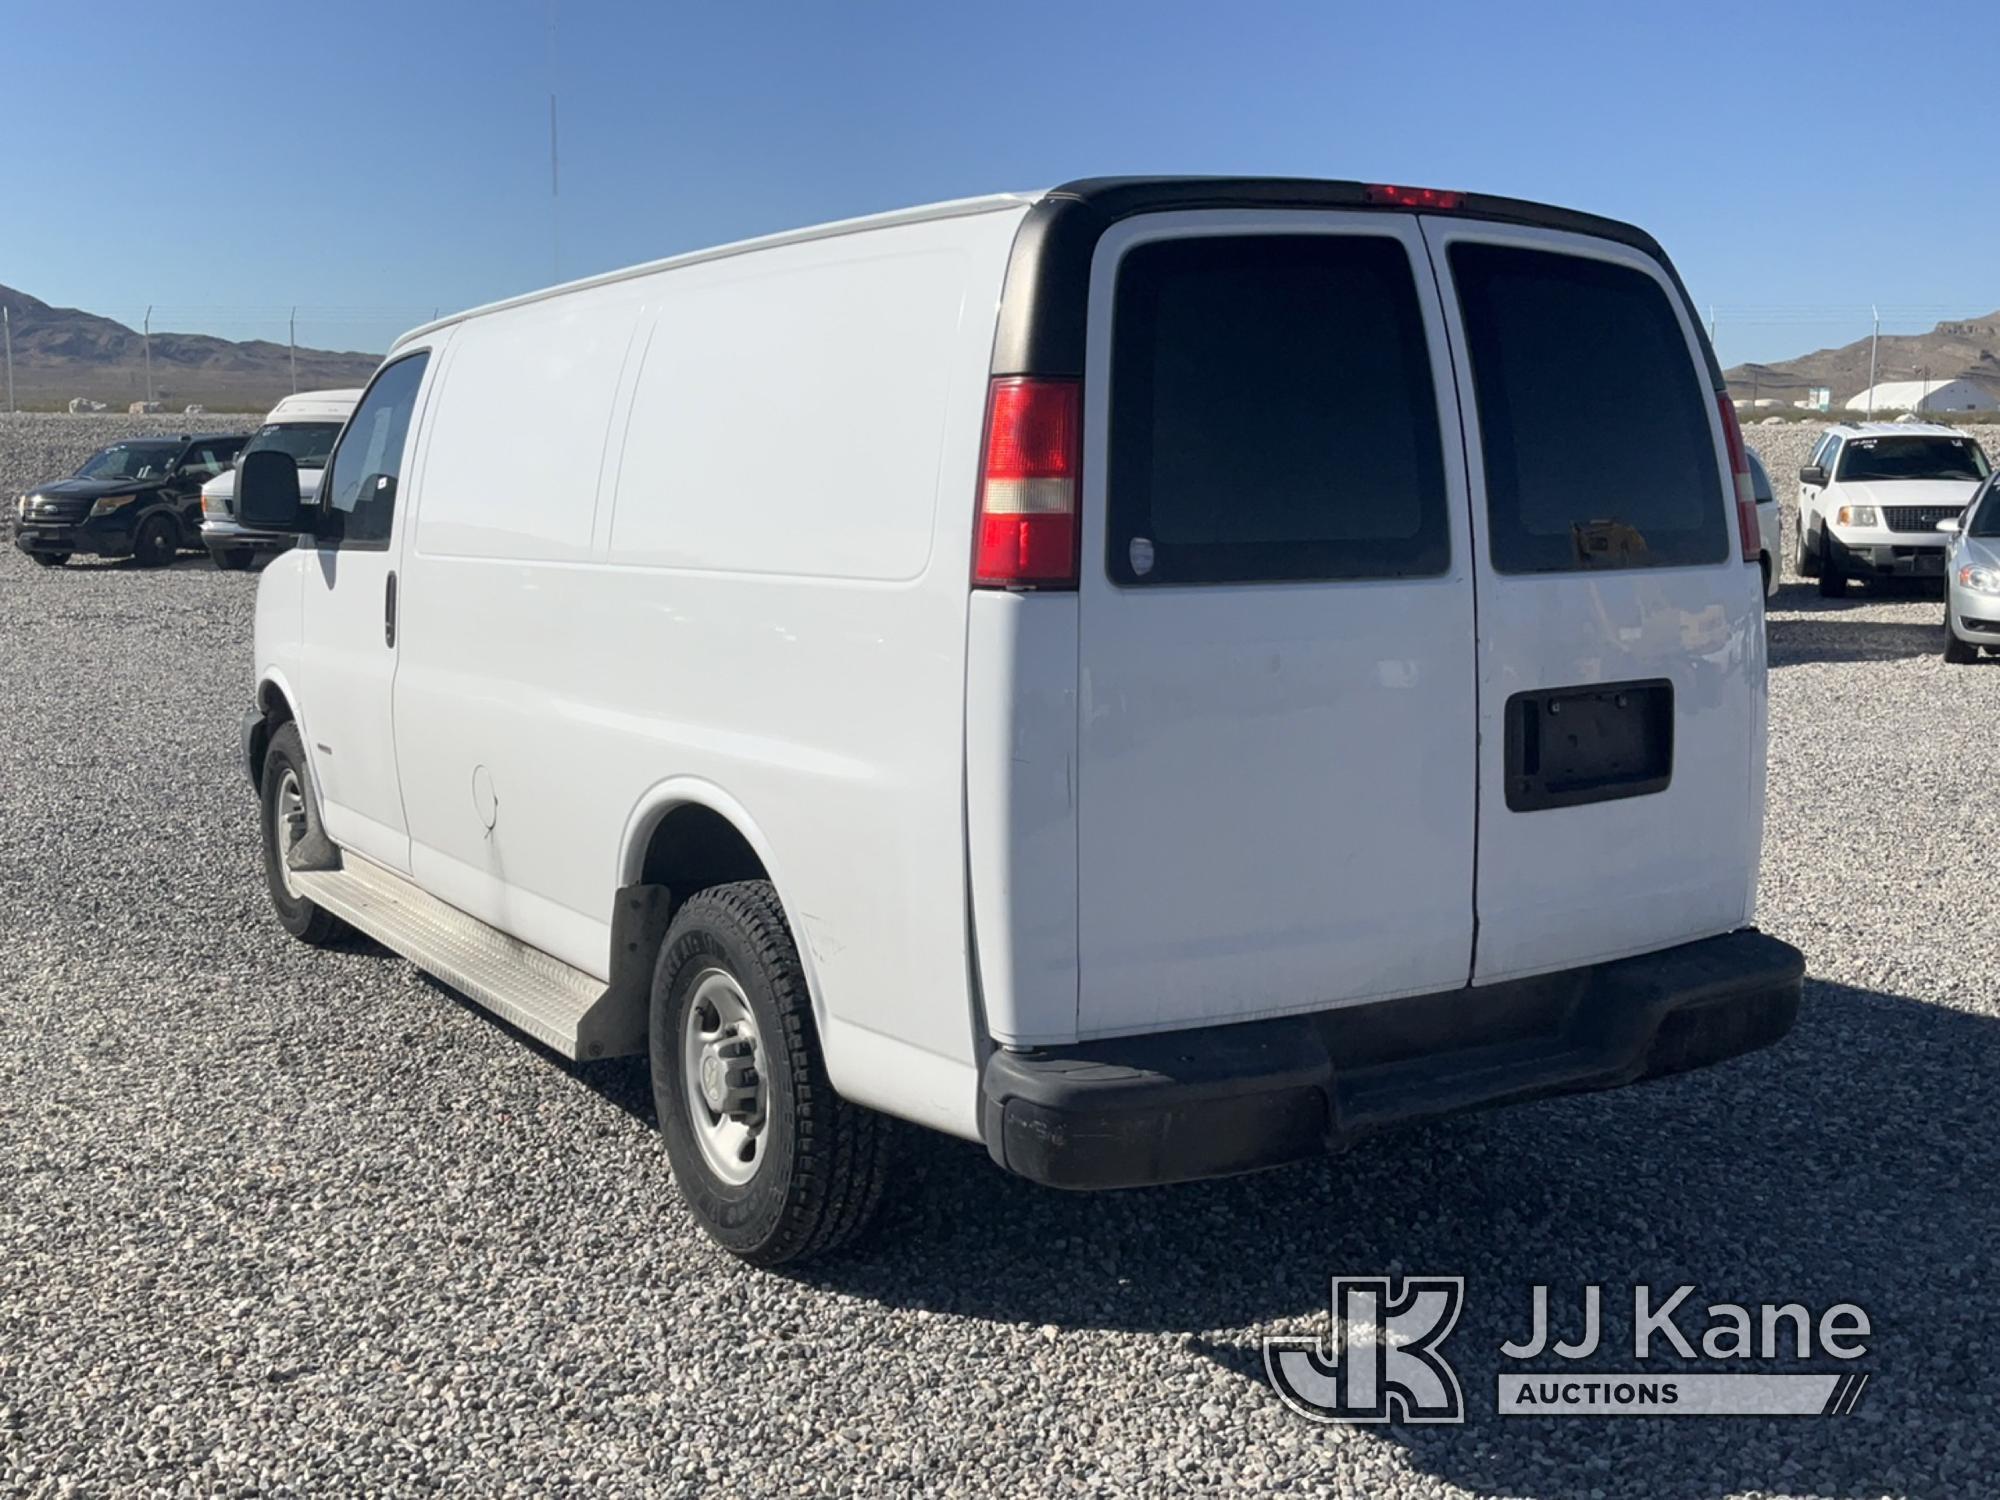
[1871, 496]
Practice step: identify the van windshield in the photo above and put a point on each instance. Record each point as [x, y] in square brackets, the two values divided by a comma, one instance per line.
[308, 443]
[1595, 424]
[1892, 458]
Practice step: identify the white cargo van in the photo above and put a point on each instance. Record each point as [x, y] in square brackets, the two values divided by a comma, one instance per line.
[1160, 677]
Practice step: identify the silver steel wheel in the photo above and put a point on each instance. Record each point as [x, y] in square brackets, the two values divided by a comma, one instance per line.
[291, 814]
[721, 1067]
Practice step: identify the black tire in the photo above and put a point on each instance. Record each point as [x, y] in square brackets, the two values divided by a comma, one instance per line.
[158, 540]
[1956, 652]
[1808, 564]
[1764, 566]
[50, 559]
[1832, 582]
[823, 1161]
[231, 559]
[298, 915]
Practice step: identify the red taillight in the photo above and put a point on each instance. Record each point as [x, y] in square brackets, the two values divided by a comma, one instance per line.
[1739, 468]
[1414, 197]
[1026, 532]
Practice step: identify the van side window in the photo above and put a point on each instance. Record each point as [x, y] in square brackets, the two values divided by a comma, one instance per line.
[1273, 414]
[1594, 419]
[359, 493]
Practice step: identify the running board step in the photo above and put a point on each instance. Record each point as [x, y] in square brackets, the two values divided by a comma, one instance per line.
[575, 1013]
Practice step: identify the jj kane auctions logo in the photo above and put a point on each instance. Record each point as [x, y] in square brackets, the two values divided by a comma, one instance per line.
[1382, 1360]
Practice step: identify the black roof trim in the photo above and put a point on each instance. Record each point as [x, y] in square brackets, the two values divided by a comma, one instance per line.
[1044, 308]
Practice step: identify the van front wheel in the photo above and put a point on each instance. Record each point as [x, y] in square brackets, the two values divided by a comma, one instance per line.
[773, 1164]
[288, 815]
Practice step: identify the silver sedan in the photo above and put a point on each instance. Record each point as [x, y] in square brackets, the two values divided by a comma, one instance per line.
[1972, 576]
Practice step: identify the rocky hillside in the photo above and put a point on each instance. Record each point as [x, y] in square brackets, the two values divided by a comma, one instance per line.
[61, 352]
[1967, 349]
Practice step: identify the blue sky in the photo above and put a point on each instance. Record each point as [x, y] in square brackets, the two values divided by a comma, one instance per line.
[1800, 162]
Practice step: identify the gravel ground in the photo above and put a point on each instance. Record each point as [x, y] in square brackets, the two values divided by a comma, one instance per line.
[280, 1220]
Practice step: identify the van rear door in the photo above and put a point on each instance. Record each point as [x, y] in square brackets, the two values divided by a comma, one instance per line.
[1621, 636]
[1277, 717]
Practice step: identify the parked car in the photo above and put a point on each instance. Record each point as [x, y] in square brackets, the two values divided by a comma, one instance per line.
[138, 499]
[1871, 496]
[1769, 526]
[1972, 577]
[1019, 665]
[303, 425]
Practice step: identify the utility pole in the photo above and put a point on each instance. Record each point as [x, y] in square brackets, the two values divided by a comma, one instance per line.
[1711, 325]
[293, 335]
[149, 356]
[7, 322]
[1874, 339]
[555, 185]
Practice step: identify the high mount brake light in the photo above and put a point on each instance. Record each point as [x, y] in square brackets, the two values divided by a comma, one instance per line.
[1414, 197]
[1026, 533]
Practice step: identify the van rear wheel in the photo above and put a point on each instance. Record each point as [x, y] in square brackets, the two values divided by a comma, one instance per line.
[773, 1164]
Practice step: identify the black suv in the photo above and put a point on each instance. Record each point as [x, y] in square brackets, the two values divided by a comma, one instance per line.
[138, 499]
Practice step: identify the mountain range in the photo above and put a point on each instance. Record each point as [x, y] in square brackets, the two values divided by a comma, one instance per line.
[63, 352]
[1967, 349]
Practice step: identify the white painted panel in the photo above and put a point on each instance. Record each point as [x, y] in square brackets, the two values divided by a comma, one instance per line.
[789, 413]
[520, 432]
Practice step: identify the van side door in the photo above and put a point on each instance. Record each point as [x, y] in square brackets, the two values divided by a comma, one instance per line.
[349, 613]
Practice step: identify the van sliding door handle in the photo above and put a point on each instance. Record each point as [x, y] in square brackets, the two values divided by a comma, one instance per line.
[389, 612]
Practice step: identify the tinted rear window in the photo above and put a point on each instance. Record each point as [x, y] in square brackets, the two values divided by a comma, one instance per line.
[1273, 415]
[1593, 417]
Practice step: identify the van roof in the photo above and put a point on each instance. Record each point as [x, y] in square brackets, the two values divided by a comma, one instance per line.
[1069, 219]
[956, 208]
[305, 406]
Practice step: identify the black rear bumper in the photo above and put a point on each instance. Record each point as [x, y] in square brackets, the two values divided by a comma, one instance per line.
[1218, 1100]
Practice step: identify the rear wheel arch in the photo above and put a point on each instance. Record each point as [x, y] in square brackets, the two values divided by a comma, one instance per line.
[687, 836]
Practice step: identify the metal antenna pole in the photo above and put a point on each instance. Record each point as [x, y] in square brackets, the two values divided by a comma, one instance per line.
[555, 182]
[149, 356]
[7, 322]
[293, 335]
[1873, 339]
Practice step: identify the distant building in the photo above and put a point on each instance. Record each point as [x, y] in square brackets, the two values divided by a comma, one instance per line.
[142, 408]
[1925, 395]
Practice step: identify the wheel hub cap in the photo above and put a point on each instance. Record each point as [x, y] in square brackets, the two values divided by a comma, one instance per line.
[291, 826]
[720, 1057]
